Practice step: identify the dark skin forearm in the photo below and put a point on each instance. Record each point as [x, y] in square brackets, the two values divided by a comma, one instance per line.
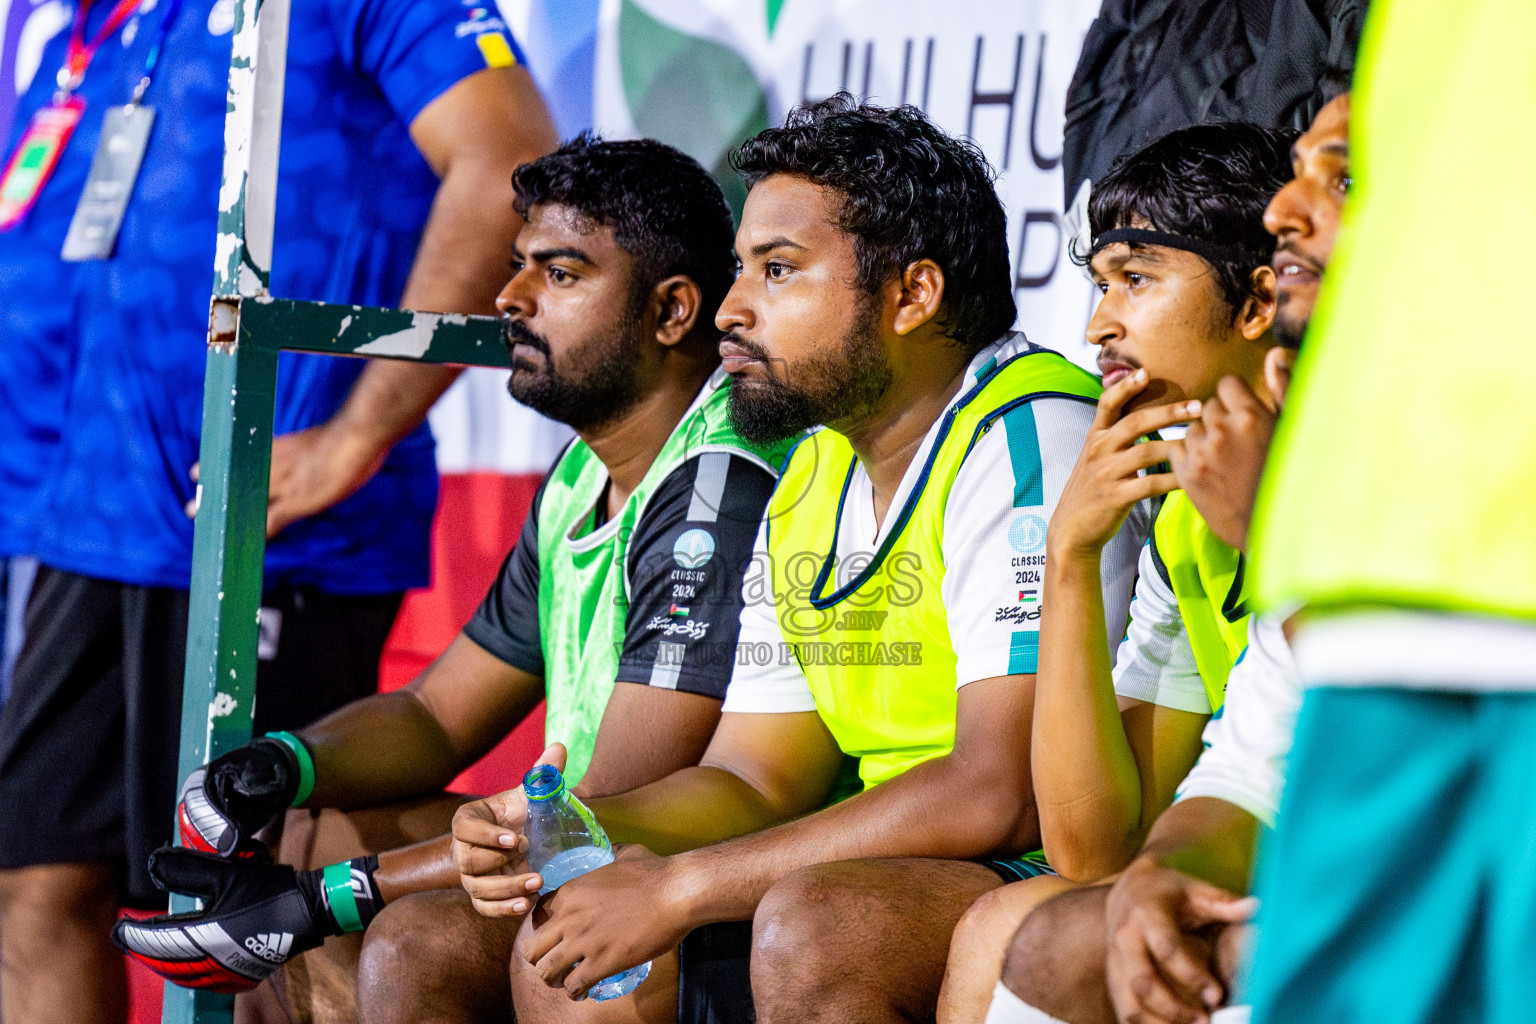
[975, 801]
[380, 749]
[1086, 778]
[1102, 771]
[937, 809]
[690, 808]
[412, 742]
[1206, 838]
[646, 734]
[416, 868]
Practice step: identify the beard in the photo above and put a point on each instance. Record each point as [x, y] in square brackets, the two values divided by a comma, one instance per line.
[836, 386]
[598, 386]
[1290, 326]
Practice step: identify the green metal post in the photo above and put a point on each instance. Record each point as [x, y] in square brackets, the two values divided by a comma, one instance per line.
[247, 328]
[229, 536]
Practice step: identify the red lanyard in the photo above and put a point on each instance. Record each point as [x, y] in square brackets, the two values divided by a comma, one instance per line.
[81, 52]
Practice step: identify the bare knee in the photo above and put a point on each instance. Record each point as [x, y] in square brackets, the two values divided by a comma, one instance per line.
[430, 956]
[980, 941]
[413, 933]
[992, 920]
[799, 915]
[1055, 960]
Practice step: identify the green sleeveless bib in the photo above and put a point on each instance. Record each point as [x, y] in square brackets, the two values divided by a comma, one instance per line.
[1207, 577]
[583, 588]
[875, 648]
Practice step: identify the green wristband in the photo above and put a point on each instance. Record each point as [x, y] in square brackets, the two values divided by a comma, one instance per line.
[306, 764]
[340, 897]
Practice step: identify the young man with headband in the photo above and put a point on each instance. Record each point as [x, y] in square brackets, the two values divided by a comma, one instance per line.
[1183, 261]
[1173, 921]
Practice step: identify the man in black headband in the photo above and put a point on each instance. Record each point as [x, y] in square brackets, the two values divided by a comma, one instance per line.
[1183, 261]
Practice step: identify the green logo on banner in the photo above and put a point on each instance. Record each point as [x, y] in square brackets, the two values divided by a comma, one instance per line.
[696, 94]
[774, 7]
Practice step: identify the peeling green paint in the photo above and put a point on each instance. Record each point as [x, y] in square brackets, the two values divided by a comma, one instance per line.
[341, 330]
[247, 329]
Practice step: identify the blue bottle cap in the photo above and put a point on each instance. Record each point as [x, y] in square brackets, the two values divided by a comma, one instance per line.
[543, 782]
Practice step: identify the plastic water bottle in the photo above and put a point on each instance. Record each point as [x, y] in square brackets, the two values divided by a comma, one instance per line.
[564, 841]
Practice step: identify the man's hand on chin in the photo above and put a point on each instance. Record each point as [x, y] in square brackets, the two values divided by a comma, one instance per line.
[607, 921]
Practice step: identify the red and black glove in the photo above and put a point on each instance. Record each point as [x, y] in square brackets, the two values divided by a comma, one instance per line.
[226, 802]
[256, 916]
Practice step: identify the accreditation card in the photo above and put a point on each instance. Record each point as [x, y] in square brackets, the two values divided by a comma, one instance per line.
[109, 186]
[35, 157]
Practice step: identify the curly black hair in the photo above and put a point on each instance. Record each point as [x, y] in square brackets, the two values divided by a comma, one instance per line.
[1208, 181]
[664, 209]
[910, 192]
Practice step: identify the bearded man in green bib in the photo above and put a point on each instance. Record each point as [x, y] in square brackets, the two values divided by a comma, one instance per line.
[619, 606]
[891, 612]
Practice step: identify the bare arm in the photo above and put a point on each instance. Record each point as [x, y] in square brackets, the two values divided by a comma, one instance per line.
[391, 746]
[1100, 779]
[647, 733]
[473, 136]
[759, 769]
[973, 802]
[1205, 838]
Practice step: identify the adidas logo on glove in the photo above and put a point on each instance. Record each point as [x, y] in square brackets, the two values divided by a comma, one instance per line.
[271, 946]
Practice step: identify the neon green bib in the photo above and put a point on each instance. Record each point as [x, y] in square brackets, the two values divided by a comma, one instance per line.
[1207, 577]
[1402, 473]
[583, 588]
[875, 647]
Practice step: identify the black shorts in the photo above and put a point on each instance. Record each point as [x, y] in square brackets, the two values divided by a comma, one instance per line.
[89, 737]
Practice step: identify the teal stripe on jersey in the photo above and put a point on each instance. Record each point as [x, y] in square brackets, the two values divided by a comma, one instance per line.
[1024, 652]
[986, 368]
[1024, 453]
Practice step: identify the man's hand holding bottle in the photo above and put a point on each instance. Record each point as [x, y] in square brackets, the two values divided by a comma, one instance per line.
[491, 849]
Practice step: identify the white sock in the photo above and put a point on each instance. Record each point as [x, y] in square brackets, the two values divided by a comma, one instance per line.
[1232, 1015]
[1008, 1008]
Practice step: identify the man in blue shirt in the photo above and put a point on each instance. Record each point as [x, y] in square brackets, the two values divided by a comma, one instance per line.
[402, 122]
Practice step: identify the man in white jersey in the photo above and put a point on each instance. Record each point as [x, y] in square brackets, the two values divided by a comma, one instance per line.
[1168, 922]
[994, 556]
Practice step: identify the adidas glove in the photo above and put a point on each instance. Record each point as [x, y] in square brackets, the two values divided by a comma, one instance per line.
[256, 916]
[226, 802]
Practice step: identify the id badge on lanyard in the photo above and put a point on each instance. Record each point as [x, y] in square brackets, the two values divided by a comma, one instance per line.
[115, 167]
[109, 186]
[125, 135]
[35, 158]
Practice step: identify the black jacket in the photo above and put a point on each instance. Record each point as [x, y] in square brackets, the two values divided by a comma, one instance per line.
[1150, 66]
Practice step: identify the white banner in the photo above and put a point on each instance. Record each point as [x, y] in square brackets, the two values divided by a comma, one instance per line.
[703, 74]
